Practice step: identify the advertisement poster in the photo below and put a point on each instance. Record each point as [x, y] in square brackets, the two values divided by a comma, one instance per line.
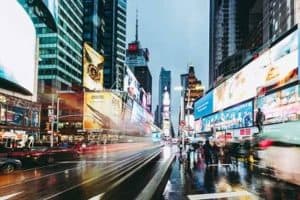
[274, 68]
[237, 117]
[93, 64]
[280, 106]
[17, 49]
[138, 115]
[131, 85]
[203, 106]
[102, 110]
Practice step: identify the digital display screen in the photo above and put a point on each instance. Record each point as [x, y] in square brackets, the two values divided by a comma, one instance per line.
[203, 106]
[236, 117]
[280, 106]
[276, 67]
[17, 49]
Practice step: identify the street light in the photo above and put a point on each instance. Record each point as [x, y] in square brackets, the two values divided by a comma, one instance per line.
[180, 88]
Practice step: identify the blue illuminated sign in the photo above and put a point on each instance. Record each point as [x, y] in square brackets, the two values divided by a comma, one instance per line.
[203, 106]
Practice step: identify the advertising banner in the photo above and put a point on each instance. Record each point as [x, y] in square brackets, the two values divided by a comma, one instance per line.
[274, 68]
[280, 106]
[17, 49]
[131, 85]
[102, 110]
[203, 106]
[138, 114]
[237, 117]
[93, 64]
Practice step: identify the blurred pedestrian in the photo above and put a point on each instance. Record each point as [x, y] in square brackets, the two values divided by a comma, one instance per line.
[207, 152]
[215, 153]
[259, 119]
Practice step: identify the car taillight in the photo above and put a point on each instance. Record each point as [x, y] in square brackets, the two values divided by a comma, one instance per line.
[265, 143]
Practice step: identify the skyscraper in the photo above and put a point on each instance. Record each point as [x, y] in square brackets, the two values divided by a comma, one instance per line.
[240, 29]
[229, 30]
[279, 16]
[93, 27]
[164, 85]
[60, 51]
[137, 59]
[114, 43]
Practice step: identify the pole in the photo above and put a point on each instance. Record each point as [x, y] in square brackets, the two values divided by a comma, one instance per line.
[57, 113]
[52, 123]
[189, 111]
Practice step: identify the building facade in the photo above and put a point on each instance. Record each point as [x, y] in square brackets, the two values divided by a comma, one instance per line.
[93, 26]
[114, 43]
[164, 86]
[240, 29]
[231, 22]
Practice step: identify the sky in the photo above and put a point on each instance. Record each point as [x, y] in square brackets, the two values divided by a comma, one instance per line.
[176, 32]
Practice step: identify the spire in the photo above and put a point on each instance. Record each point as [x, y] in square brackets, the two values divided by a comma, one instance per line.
[137, 27]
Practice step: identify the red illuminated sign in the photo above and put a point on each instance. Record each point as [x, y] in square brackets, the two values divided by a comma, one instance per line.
[133, 47]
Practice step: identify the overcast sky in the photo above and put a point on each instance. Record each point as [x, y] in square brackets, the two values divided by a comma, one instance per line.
[176, 34]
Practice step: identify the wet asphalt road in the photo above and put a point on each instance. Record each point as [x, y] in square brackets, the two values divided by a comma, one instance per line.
[195, 179]
[81, 179]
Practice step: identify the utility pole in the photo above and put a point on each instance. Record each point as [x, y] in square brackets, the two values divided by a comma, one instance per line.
[52, 122]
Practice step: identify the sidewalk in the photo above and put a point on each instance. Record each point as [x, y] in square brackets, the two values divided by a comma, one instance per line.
[192, 177]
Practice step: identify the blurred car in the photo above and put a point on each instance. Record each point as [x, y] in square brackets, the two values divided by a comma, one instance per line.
[8, 165]
[279, 151]
[44, 155]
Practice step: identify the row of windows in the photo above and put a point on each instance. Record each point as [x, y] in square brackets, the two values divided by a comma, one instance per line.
[66, 28]
[66, 47]
[69, 21]
[70, 42]
[76, 18]
[47, 40]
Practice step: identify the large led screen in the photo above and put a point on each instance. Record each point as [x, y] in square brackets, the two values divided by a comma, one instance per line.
[237, 117]
[17, 48]
[203, 106]
[93, 64]
[102, 110]
[274, 68]
[280, 106]
[131, 85]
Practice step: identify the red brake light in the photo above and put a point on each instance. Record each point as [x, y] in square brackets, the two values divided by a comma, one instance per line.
[265, 143]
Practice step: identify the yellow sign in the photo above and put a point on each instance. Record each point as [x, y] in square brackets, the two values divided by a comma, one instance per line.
[102, 110]
[93, 64]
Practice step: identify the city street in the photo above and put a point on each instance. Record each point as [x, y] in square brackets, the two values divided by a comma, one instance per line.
[90, 176]
[193, 180]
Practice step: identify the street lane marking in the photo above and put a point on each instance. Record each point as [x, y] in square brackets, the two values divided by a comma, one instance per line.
[90, 161]
[10, 196]
[219, 195]
[97, 197]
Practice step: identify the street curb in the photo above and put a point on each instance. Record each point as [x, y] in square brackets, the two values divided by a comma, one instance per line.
[157, 183]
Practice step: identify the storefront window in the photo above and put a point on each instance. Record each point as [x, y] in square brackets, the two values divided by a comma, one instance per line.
[2, 113]
[15, 116]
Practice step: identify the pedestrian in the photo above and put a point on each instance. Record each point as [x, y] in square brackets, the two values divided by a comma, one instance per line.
[215, 153]
[207, 152]
[260, 118]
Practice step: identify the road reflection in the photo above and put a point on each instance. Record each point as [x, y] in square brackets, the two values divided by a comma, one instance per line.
[190, 176]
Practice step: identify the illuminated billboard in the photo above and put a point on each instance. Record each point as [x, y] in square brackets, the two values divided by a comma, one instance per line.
[102, 110]
[281, 106]
[203, 106]
[236, 117]
[17, 49]
[274, 68]
[93, 64]
[131, 85]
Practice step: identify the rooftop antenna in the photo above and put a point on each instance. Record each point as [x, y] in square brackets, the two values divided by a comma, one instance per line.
[137, 26]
